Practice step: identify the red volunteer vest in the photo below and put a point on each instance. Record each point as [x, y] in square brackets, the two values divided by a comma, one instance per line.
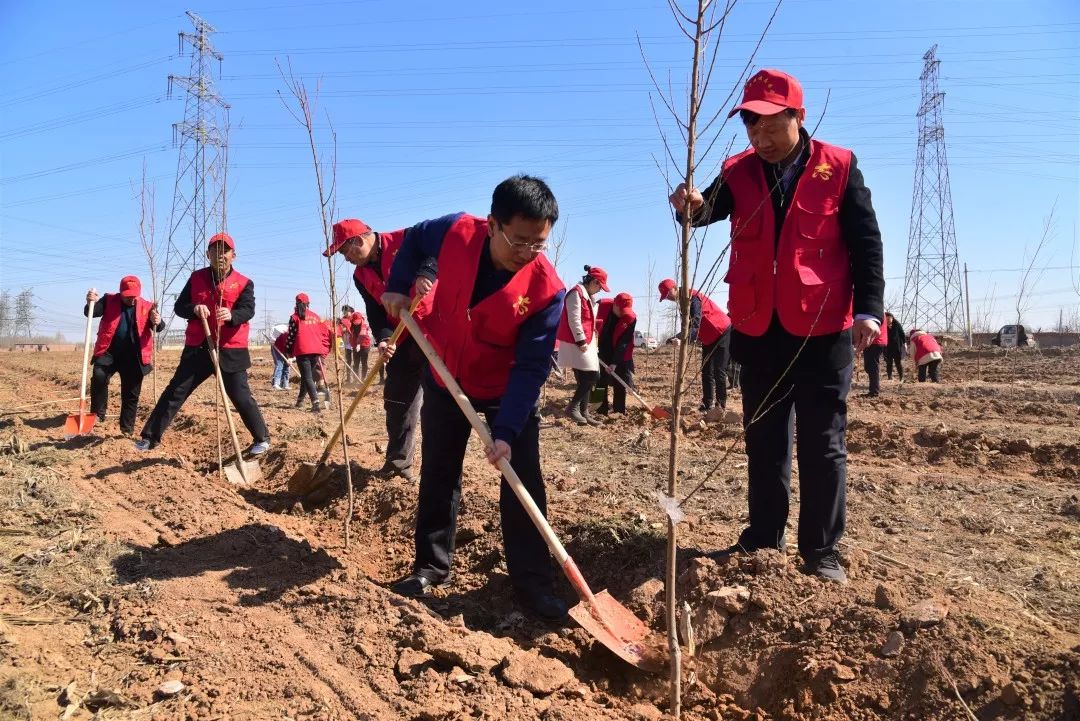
[390, 243]
[925, 343]
[281, 343]
[312, 335]
[359, 337]
[603, 312]
[806, 277]
[478, 343]
[588, 322]
[224, 295]
[714, 322]
[883, 336]
[622, 325]
[110, 319]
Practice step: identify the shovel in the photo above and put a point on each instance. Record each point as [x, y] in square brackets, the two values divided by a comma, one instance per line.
[310, 476]
[654, 411]
[82, 422]
[607, 620]
[242, 472]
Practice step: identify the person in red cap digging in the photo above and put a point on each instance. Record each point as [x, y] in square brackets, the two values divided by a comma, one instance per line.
[309, 341]
[226, 299]
[359, 336]
[125, 345]
[579, 341]
[711, 327]
[617, 349]
[806, 287]
[373, 253]
[493, 322]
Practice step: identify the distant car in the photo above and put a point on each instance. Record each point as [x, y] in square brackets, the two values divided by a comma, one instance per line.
[1013, 336]
[646, 341]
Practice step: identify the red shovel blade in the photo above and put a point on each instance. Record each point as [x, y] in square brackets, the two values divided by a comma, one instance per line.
[659, 413]
[80, 423]
[613, 625]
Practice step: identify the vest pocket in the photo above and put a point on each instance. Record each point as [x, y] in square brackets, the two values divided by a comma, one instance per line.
[740, 280]
[817, 222]
[825, 280]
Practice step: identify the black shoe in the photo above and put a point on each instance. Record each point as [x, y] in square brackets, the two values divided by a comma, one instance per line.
[706, 407]
[127, 431]
[542, 604]
[743, 548]
[415, 585]
[389, 470]
[603, 410]
[827, 568]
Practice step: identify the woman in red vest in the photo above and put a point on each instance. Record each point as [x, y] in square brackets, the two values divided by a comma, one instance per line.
[617, 349]
[872, 363]
[308, 340]
[360, 340]
[579, 341]
[226, 299]
[124, 345]
[926, 352]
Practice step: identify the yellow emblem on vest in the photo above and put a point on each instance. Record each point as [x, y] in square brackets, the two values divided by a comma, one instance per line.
[822, 171]
[521, 305]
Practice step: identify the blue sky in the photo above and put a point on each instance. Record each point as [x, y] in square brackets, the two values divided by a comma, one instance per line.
[435, 102]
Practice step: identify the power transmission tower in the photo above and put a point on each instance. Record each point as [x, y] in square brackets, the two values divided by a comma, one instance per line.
[199, 194]
[932, 291]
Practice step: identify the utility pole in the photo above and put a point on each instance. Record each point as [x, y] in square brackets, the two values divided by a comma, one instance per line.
[199, 193]
[932, 279]
[967, 305]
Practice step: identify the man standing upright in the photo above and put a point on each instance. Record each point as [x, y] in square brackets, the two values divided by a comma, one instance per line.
[373, 254]
[220, 294]
[806, 286]
[493, 323]
[125, 345]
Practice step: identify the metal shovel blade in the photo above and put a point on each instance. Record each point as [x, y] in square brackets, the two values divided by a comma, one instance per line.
[252, 473]
[659, 413]
[80, 423]
[613, 625]
[307, 478]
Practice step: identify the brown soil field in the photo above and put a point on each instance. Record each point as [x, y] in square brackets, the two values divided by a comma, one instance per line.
[120, 571]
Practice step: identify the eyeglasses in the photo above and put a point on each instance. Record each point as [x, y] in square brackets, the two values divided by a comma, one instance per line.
[530, 247]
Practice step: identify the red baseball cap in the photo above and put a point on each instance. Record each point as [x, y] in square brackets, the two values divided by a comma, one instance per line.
[598, 274]
[665, 287]
[130, 287]
[624, 301]
[344, 231]
[303, 298]
[770, 92]
[222, 238]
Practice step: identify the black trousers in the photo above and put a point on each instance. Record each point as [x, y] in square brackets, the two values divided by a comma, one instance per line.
[358, 359]
[445, 436]
[813, 403]
[586, 381]
[733, 374]
[131, 378]
[714, 362]
[894, 358]
[403, 395]
[309, 366]
[195, 367]
[872, 366]
[624, 370]
[933, 368]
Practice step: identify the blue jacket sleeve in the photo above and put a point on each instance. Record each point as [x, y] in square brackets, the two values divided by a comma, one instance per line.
[419, 253]
[695, 317]
[532, 362]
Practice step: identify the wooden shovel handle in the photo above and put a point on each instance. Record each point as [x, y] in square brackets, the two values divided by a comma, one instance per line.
[624, 384]
[224, 399]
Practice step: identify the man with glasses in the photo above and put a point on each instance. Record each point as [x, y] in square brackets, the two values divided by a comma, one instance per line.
[806, 286]
[373, 253]
[493, 322]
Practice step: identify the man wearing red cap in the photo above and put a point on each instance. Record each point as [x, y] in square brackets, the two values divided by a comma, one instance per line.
[125, 342]
[806, 286]
[373, 254]
[493, 323]
[617, 326]
[309, 340]
[578, 338]
[711, 327]
[226, 299]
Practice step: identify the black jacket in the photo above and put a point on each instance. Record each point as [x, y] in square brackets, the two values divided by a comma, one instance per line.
[859, 227]
[897, 339]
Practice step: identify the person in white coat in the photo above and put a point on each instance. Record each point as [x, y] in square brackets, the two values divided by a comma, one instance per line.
[579, 341]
